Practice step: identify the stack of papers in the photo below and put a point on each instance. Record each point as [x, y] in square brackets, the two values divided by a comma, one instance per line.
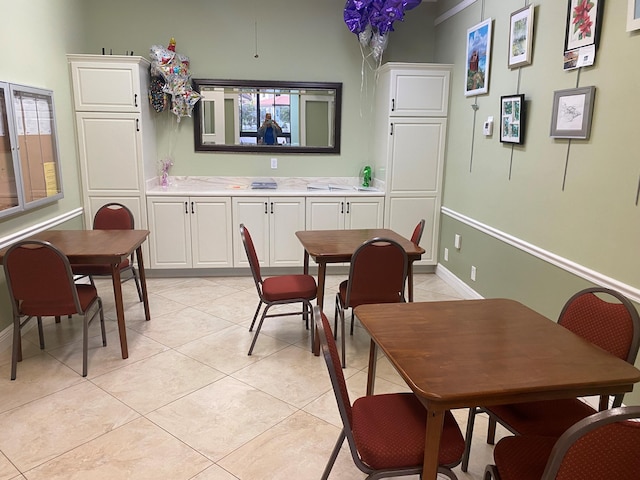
[268, 183]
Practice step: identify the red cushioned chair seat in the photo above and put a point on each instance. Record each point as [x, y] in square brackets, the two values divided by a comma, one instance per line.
[550, 418]
[523, 458]
[383, 442]
[286, 287]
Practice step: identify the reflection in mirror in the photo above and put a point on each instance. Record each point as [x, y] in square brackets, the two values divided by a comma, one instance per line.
[267, 116]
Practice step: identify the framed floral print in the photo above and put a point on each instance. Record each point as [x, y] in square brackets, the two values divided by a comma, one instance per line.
[583, 23]
[521, 37]
[512, 119]
[478, 57]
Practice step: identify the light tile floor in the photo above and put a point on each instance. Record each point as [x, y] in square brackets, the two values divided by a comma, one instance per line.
[189, 403]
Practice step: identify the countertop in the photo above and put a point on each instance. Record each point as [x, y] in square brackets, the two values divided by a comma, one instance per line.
[241, 186]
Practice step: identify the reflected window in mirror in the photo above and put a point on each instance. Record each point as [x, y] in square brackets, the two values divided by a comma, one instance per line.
[267, 116]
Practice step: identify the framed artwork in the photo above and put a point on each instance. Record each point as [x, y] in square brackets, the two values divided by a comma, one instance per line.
[633, 15]
[478, 56]
[572, 112]
[583, 23]
[512, 116]
[521, 37]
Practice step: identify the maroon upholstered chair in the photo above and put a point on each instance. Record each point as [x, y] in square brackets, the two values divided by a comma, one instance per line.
[277, 290]
[416, 236]
[603, 445]
[386, 433]
[377, 274]
[112, 216]
[41, 284]
[605, 318]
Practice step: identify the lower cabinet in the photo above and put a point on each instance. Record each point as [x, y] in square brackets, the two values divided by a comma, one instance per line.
[272, 223]
[338, 213]
[190, 232]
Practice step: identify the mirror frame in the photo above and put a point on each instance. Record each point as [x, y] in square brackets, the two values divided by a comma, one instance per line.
[197, 124]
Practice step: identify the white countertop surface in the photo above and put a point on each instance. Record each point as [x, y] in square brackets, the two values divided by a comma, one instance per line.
[241, 186]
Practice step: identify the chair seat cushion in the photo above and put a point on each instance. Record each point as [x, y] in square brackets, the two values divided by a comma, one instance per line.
[364, 298]
[89, 269]
[549, 418]
[289, 287]
[523, 457]
[86, 295]
[389, 431]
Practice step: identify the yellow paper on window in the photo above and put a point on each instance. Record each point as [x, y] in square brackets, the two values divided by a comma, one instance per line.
[50, 178]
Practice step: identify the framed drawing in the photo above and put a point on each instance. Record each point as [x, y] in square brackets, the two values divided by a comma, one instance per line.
[633, 15]
[512, 117]
[478, 56]
[521, 37]
[572, 112]
[583, 23]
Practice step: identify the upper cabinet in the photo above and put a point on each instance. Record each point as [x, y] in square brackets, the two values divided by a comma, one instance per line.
[416, 91]
[106, 84]
[29, 160]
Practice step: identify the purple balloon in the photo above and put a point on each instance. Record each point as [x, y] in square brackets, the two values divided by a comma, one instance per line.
[356, 15]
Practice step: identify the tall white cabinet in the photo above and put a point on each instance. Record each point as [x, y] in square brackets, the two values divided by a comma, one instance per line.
[412, 103]
[115, 131]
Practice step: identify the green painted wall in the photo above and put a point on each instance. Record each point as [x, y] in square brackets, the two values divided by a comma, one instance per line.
[593, 220]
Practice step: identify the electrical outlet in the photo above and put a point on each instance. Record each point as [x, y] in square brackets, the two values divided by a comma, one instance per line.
[446, 254]
[274, 163]
[473, 273]
[457, 241]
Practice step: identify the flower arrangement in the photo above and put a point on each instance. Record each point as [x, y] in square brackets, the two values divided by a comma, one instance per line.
[582, 22]
[165, 167]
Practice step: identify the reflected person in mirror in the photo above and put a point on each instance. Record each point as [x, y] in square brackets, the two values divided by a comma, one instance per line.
[269, 131]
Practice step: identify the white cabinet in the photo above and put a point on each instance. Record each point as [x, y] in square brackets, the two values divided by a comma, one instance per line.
[190, 232]
[337, 213]
[115, 131]
[272, 223]
[409, 147]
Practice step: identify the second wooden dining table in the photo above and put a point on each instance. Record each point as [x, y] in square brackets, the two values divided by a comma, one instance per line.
[337, 246]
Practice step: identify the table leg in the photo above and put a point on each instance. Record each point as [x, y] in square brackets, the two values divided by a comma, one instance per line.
[117, 293]
[410, 280]
[373, 362]
[435, 422]
[143, 283]
[322, 272]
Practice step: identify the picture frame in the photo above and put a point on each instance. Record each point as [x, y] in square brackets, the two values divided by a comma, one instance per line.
[572, 112]
[478, 58]
[512, 119]
[521, 37]
[633, 15]
[583, 23]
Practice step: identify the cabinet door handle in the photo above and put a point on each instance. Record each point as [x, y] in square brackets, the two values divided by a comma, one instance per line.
[393, 104]
[265, 208]
[135, 100]
[272, 208]
[341, 207]
[348, 206]
[192, 210]
[391, 129]
[186, 208]
[137, 124]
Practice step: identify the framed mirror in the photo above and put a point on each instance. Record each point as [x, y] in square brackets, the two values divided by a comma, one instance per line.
[267, 116]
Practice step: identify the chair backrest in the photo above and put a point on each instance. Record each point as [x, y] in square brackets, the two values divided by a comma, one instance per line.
[332, 359]
[40, 280]
[113, 216]
[605, 318]
[603, 445]
[416, 236]
[252, 256]
[377, 273]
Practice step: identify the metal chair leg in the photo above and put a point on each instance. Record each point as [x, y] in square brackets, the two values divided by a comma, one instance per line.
[255, 315]
[137, 280]
[255, 337]
[334, 455]
[467, 439]
[491, 432]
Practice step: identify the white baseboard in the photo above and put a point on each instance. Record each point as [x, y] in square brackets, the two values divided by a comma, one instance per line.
[462, 288]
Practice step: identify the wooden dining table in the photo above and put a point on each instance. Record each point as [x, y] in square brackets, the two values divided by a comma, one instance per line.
[103, 247]
[469, 353]
[337, 246]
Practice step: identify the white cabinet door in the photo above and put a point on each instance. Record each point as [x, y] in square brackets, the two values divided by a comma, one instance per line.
[211, 243]
[364, 212]
[253, 212]
[325, 213]
[272, 223]
[419, 92]
[286, 217]
[416, 152]
[338, 213]
[170, 226]
[107, 86]
[110, 152]
[406, 212]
